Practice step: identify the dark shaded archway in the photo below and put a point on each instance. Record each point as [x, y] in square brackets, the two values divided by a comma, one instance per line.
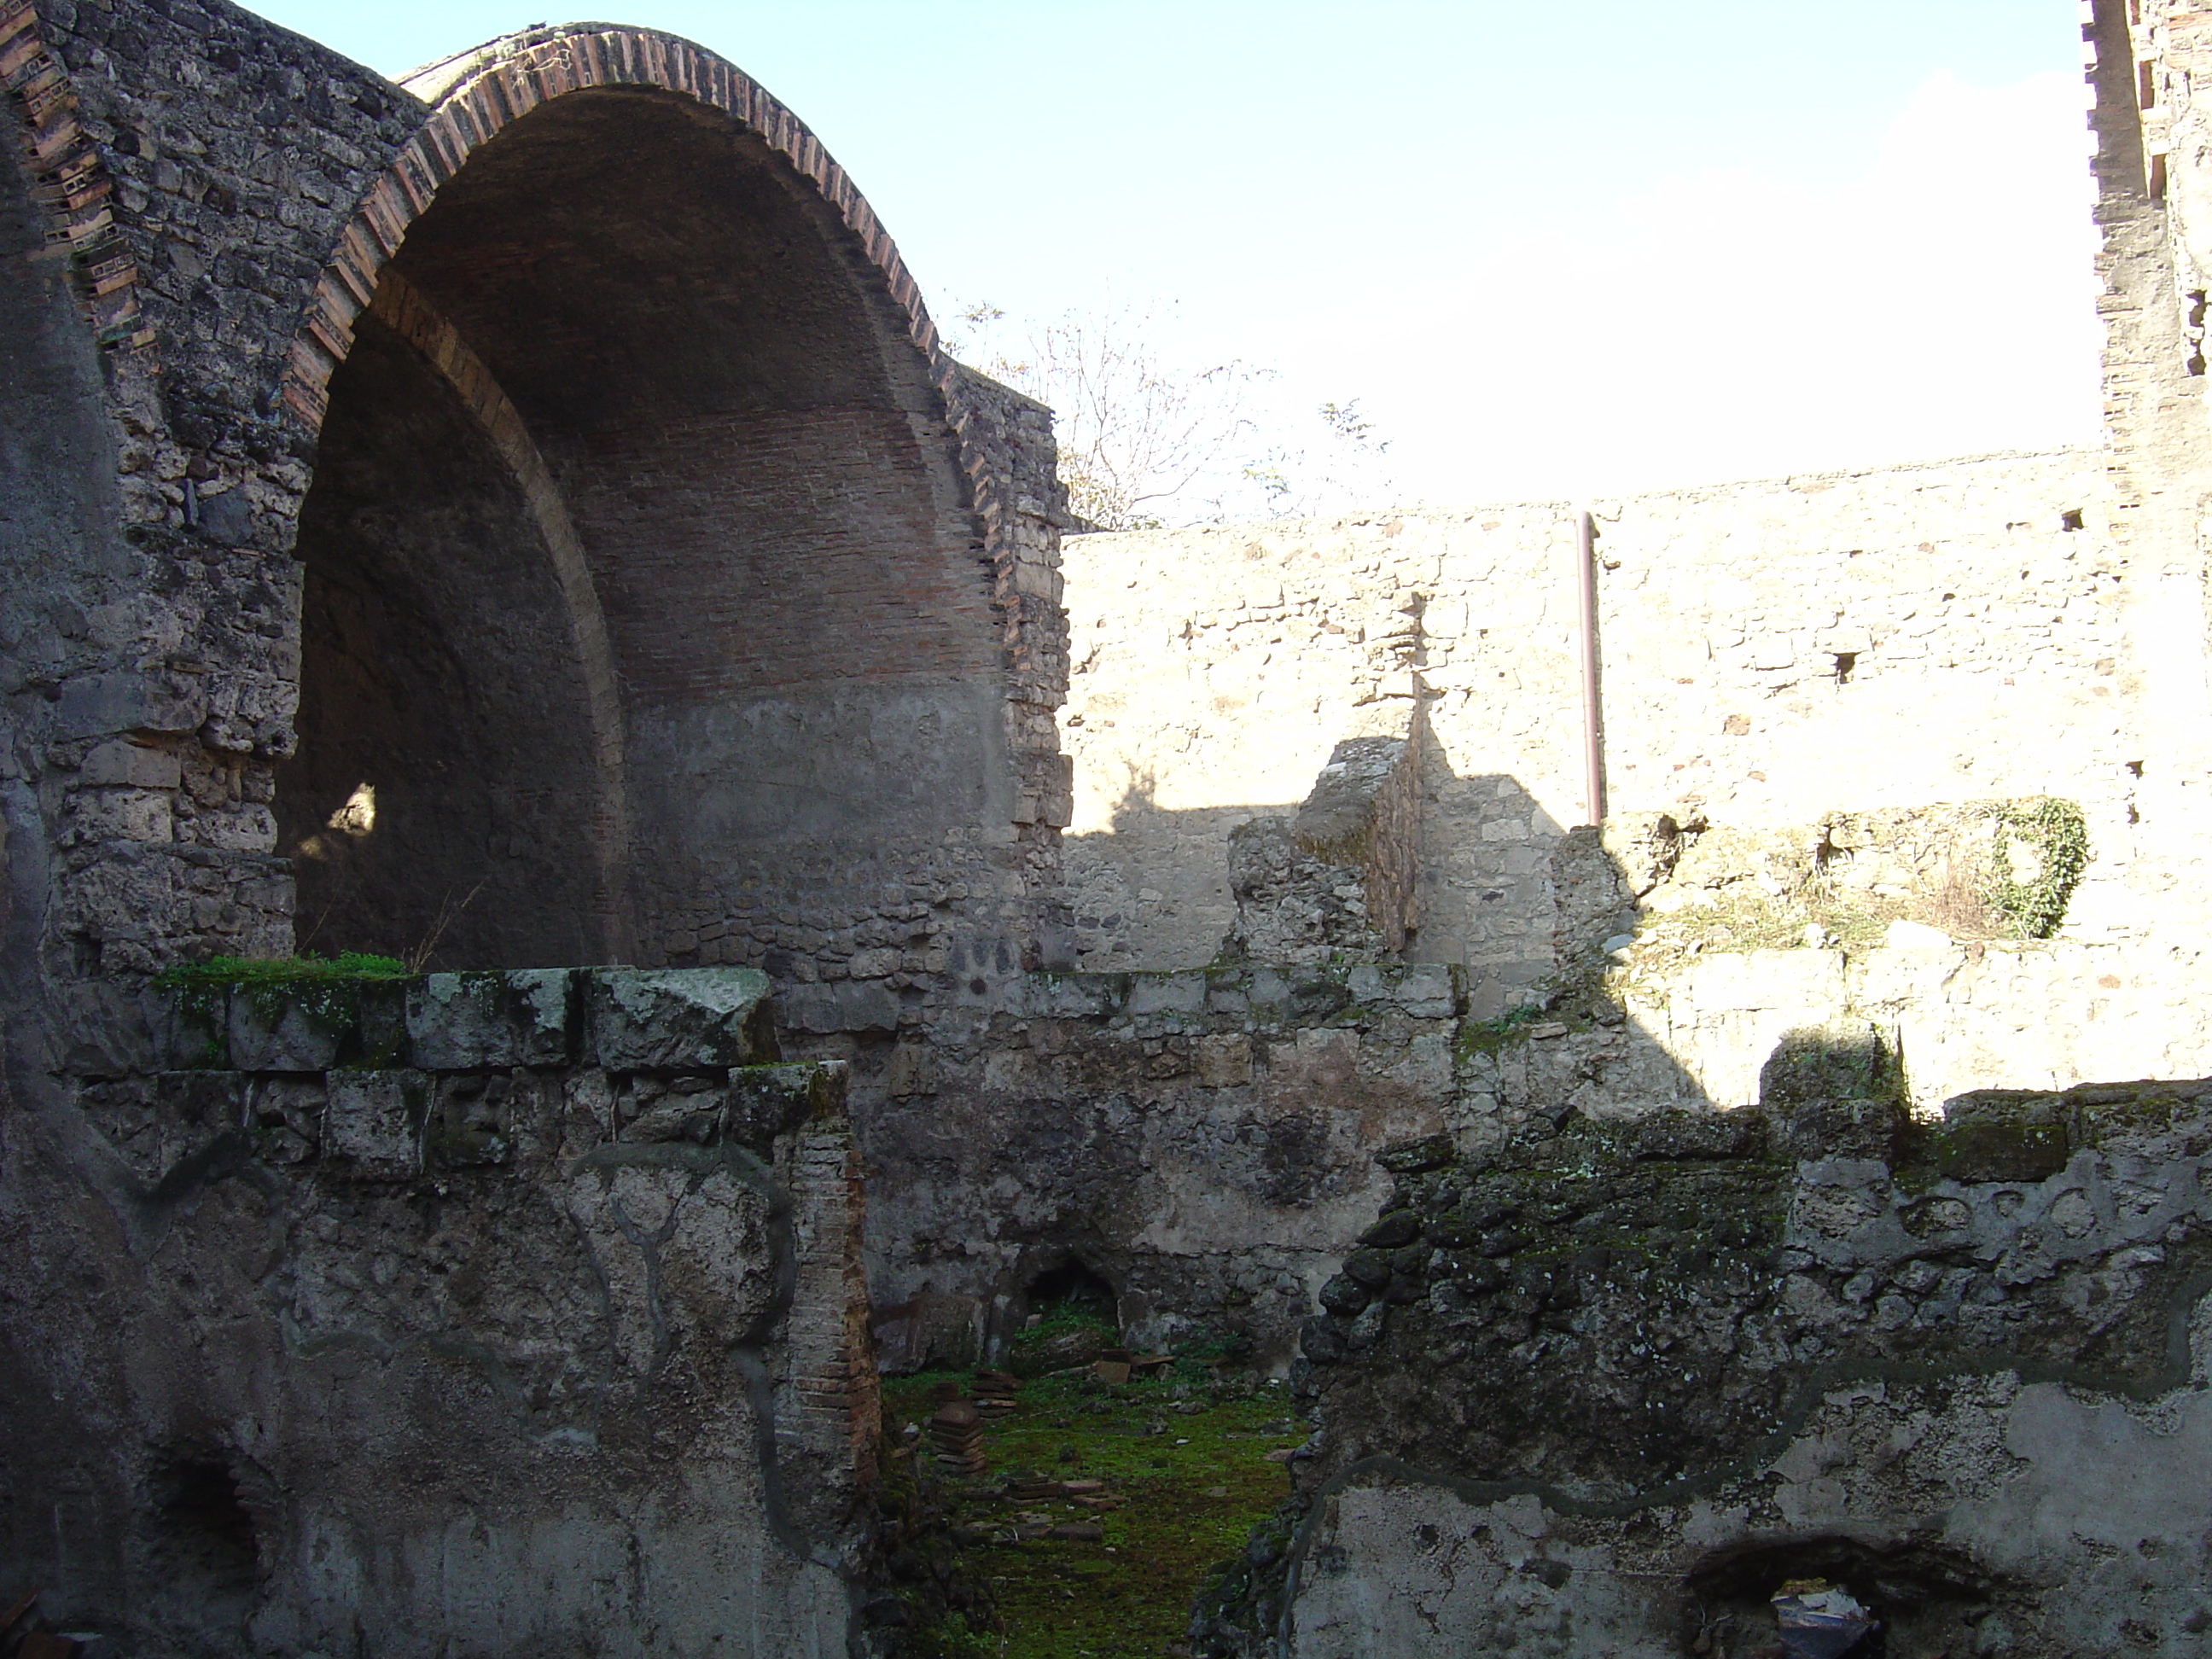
[643, 574]
[443, 798]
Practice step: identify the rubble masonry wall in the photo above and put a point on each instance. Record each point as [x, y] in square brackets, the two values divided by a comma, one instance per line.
[469, 1309]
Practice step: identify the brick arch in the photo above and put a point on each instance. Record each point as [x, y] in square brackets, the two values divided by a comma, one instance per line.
[816, 553]
[474, 95]
[71, 182]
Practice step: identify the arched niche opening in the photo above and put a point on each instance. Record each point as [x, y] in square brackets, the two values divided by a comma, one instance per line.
[1067, 1315]
[1072, 1289]
[641, 582]
[1923, 1597]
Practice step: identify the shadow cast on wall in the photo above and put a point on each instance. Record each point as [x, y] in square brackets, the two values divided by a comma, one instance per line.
[1152, 891]
[1526, 907]
[1209, 1138]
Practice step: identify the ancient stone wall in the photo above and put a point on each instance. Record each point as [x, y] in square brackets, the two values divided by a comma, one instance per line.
[1614, 1386]
[1203, 1141]
[1770, 651]
[361, 1315]
[482, 1310]
[1774, 659]
[527, 1309]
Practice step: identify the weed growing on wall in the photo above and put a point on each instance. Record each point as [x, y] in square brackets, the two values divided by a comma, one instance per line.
[1483, 1036]
[284, 970]
[1989, 870]
[2054, 832]
[326, 987]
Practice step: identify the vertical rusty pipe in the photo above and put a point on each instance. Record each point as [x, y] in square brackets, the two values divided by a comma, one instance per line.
[1593, 721]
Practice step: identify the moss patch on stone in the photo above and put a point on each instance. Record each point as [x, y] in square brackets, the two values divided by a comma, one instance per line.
[326, 988]
[283, 970]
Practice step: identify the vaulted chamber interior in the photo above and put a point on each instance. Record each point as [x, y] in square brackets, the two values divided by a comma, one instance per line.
[638, 563]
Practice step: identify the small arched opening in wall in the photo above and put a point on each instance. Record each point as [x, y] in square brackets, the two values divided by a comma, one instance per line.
[1921, 1597]
[646, 599]
[1067, 1314]
[203, 1543]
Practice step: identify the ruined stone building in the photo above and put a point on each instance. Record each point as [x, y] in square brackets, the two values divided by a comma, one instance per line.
[1628, 1006]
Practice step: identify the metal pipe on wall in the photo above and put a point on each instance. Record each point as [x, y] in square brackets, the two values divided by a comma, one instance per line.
[1593, 718]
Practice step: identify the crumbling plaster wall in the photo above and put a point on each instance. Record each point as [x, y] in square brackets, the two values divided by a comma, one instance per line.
[1771, 653]
[1989, 645]
[488, 1312]
[1204, 1140]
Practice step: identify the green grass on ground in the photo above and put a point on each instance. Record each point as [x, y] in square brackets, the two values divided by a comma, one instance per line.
[1186, 1454]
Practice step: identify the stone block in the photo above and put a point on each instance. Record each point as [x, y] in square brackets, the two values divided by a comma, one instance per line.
[1315, 996]
[1694, 1137]
[678, 1019]
[131, 765]
[373, 1122]
[1424, 992]
[1368, 982]
[1846, 1127]
[148, 701]
[469, 1125]
[1077, 996]
[767, 1101]
[191, 1026]
[461, 1022]
[298, 1027]
[1997, 1135]
[141, 815]
[1396, 1228]
[810, 1008]
[692, 1108]
[1167, 994]
[845, 1006]
[1225, 1062]
[286, 1115]
[1321, 1340]
[379, 1023]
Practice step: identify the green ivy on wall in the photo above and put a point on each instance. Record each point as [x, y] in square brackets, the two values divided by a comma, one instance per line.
[2033, 908]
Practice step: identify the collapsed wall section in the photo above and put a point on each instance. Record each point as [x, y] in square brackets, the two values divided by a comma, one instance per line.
[1622, 1384]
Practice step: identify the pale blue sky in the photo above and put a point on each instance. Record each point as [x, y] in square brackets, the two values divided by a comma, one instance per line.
[1550, 249]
